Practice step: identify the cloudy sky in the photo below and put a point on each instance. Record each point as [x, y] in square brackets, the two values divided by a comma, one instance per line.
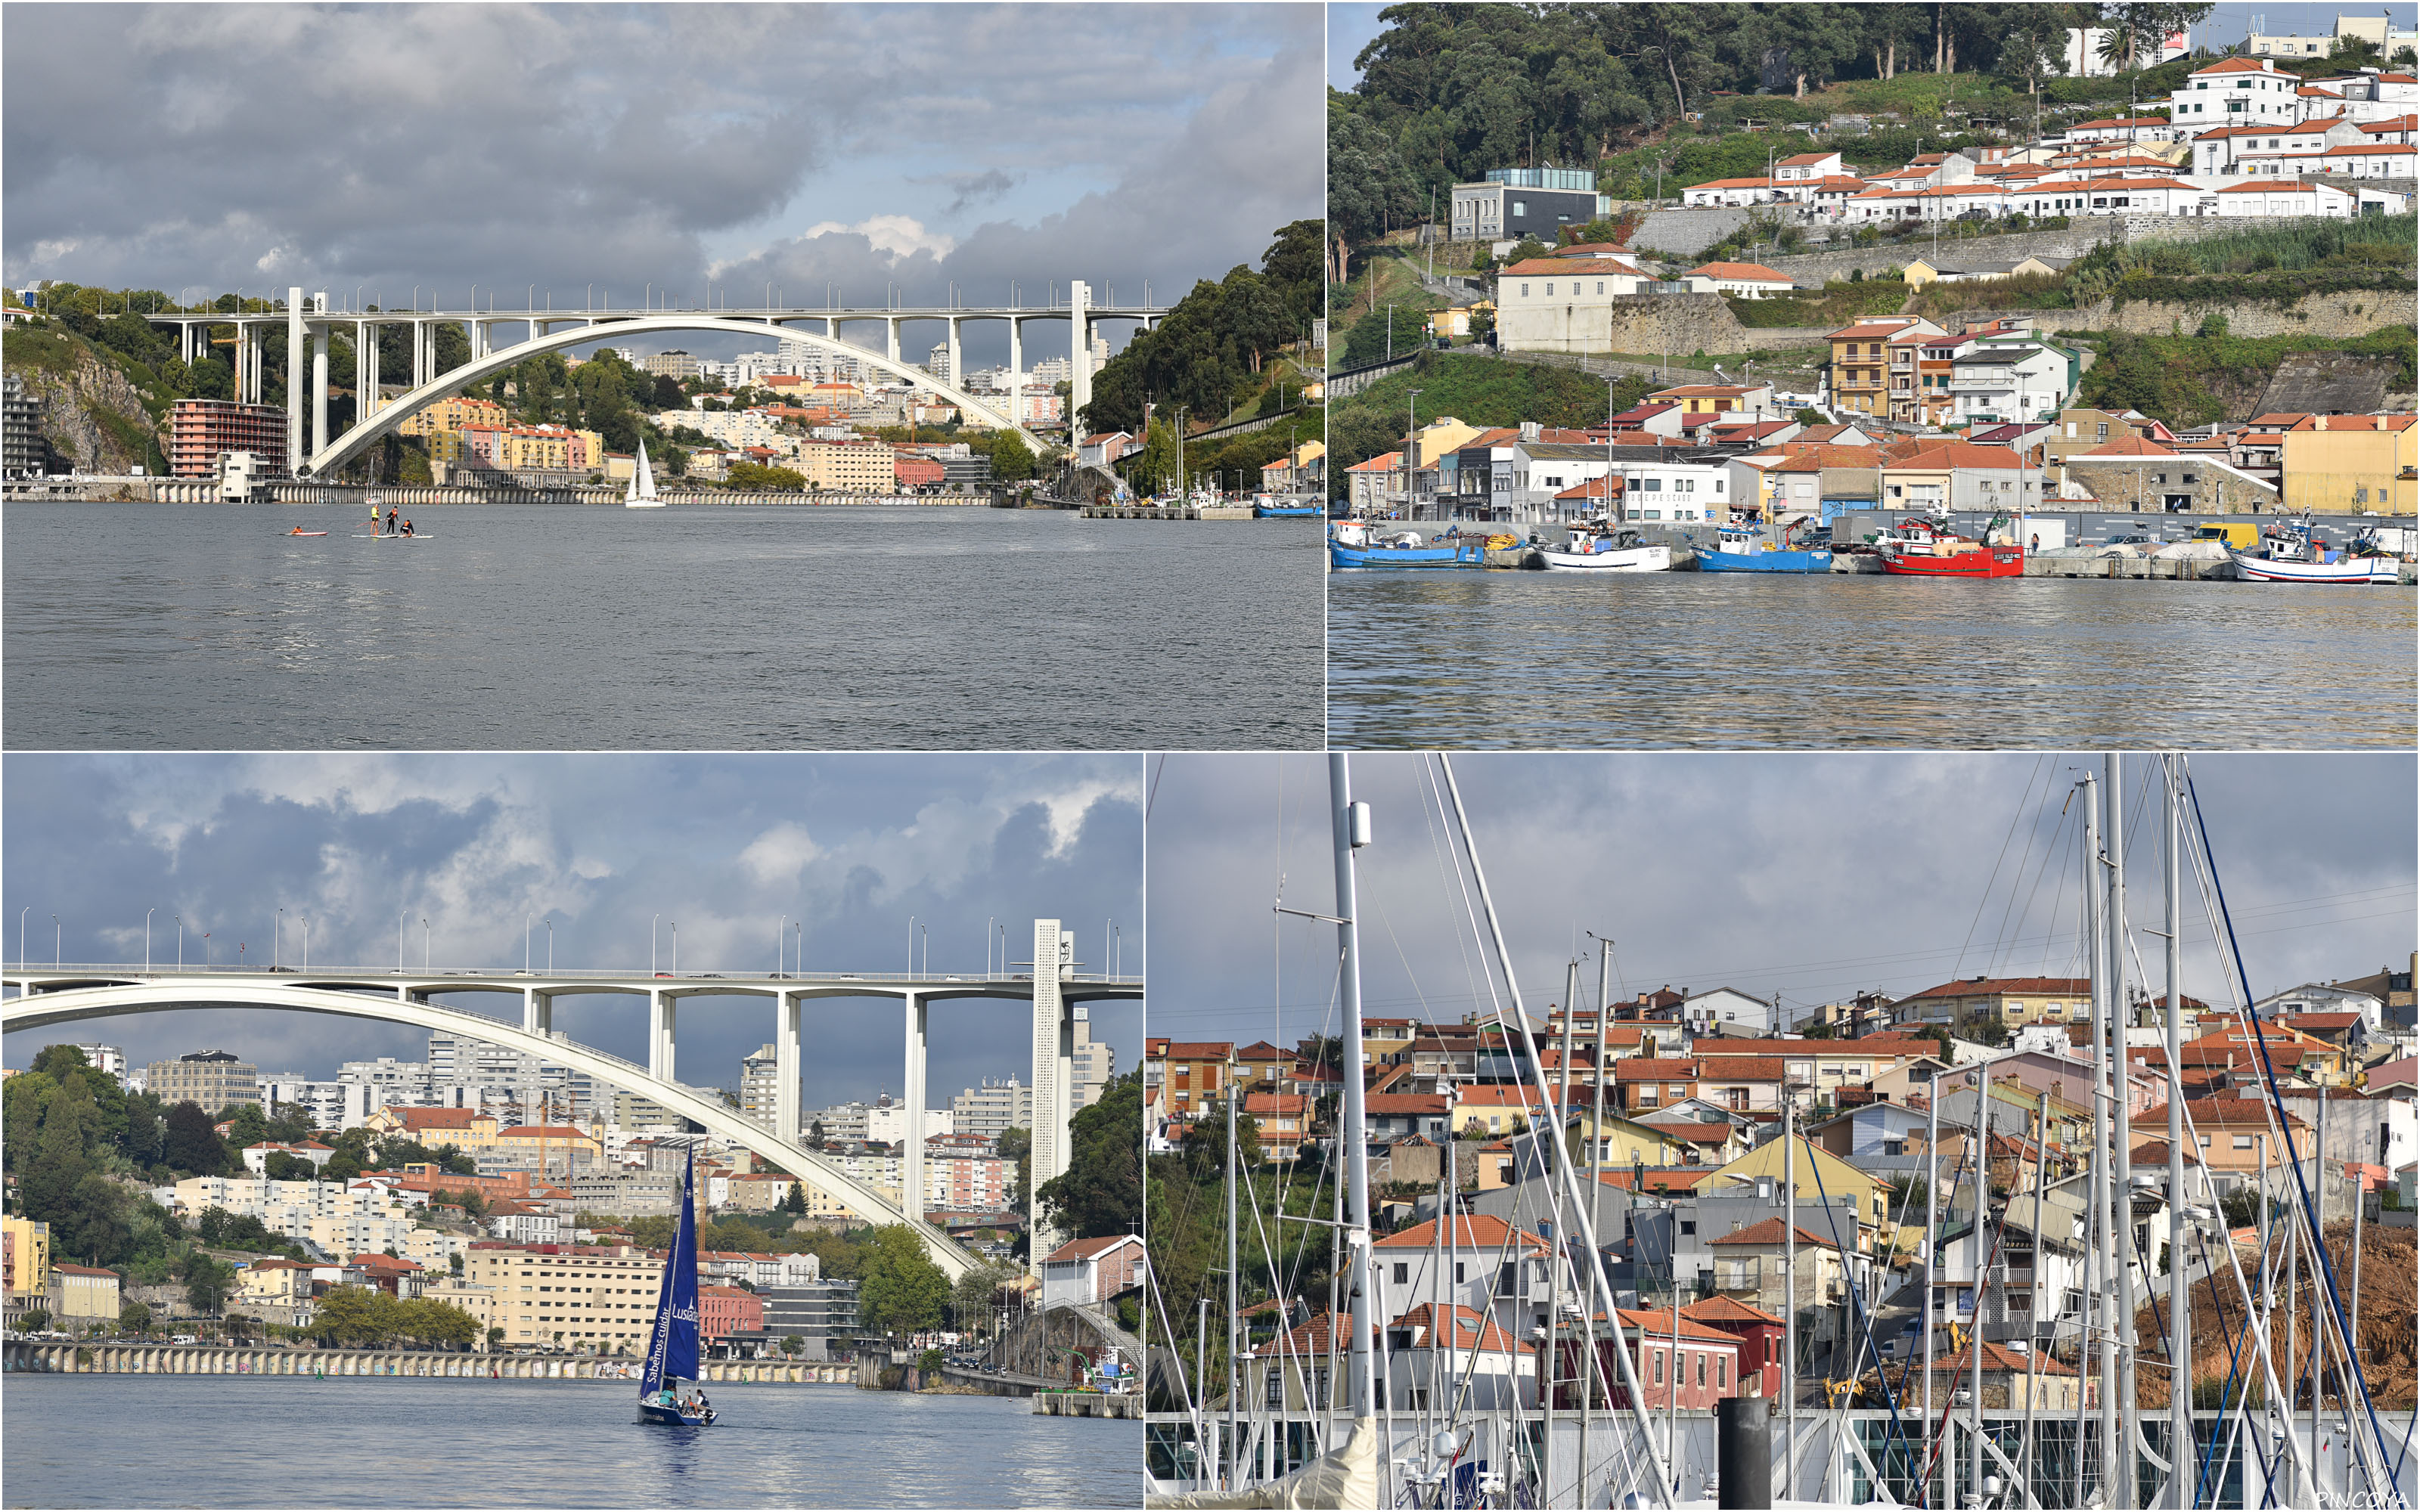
[723, 846]
[861, 146]
[1810, 876]
[1352, 24]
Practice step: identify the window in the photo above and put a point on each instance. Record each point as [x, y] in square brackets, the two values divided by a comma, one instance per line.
[1458, 1276]
[1702, 1368]
[1402, 1272]
[1319, 1386]
[1525, 292]
[1688, 1226]
[1722, 1371]
[1600, 285]
[1659, 1367]
[1550, 291]
[2244, 1141]
[1520, 207]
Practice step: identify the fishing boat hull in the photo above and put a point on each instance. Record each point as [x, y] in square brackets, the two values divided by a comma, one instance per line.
[1622, 559]
[2342, 570]
[1765, 562]
[1469, 555]
[1273, 512]
[673, 1417]
[1984, 562]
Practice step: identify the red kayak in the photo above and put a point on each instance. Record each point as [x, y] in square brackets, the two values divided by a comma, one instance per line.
[1982, 561]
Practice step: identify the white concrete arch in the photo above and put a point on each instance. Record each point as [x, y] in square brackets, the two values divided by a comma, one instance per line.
[45, 1009]
[395, 411]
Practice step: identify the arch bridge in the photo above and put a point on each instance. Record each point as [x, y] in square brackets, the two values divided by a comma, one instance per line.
[68, 993]
[550, 331]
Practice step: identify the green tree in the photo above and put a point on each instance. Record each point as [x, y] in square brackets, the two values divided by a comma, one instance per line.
[47, 1186]
[36, 1319]
[1017, 1145]
[206, 1281]
[899, 1288]
[135, 1317]
[495, 1339]
[97, 1227]
[1012, 461]
[976, 1296]
[796, 1203]
[756, 476]
[281, 1167]
[791, 1344]
[1100, 1193]
[193, 1145]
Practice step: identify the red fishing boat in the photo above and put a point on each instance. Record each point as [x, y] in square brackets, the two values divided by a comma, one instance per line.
[1929, 548]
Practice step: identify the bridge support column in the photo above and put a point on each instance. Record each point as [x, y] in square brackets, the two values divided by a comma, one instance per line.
[787, 1011]
[890, 348]
[911, 1147]
[953, 351]
[538, 1010]
[1054, 1048]
[185, 342]
[318, 391]
[662, 1012]
[293, 381]
[1016, 372]
[1079, 366]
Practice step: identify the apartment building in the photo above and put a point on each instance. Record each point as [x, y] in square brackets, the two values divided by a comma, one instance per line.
[593, 1297]
[214, 1079]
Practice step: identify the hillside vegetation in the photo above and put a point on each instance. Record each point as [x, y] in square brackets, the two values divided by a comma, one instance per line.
[1478, 391]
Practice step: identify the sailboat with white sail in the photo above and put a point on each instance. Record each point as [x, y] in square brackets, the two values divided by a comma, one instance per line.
[641, 493]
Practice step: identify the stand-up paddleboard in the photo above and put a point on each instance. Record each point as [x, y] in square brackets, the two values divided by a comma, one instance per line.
[413, 537]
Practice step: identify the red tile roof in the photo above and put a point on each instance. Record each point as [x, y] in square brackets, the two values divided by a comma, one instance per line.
[1728, 1310]
[1476, 1230]
[1769, 1232]
[1465, 1330]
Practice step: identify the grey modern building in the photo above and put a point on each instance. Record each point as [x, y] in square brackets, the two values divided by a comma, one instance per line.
[25, 452]
[822, 1314]
[1514, 203]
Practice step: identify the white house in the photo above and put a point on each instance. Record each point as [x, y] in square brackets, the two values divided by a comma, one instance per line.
[2112, 196]
[1488, 1267]
[1726, 1011]
[1562, 303]
[2283, 198]
[1432, 1362]
[1084, 1271]
[1995, 382]
[2227, 149]
[1752, 281]
[2124, 129]
[255, 1157]
[2236, 91]
[2320, 997]
[1686, 493]
[1807, 165]
[1732, 191]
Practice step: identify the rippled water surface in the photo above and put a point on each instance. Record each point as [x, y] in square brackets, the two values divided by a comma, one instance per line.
[284, 1441]
[1469, 658]
[570, 627]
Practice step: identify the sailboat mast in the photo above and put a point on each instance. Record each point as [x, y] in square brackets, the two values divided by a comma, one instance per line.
[2126, 1492]
[2096, 1343]
[1235, 1319]
[1351, 824]
[1599, 1285]
[2181, 1434]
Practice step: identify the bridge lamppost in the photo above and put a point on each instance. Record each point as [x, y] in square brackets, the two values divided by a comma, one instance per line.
[146, 940]
[426, 945]
[277, 941]
[181, 940]
[404, 918]
[654, 922]
[911, 945]
[306, 942]
[549, 947]
[20, 936]
[675, 947]
[58, 932]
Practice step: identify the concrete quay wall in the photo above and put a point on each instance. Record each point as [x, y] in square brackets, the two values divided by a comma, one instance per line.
[40, 1357]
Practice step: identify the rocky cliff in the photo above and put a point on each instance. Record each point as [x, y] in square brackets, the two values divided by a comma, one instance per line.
[91, 413]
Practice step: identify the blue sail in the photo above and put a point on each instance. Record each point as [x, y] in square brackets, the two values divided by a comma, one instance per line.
[671, 1349]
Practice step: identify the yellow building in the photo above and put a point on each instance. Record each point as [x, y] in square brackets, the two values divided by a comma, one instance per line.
[596, 1298]
[1817, 1173]
[465, 1128]
[453, 414]
[484, 1304]
[1443, 434]
[848, 466]
[1859, 380]
[274, 1283]
[27, 1247]
[2353, 464]
[556, 1149]
[82, 1295]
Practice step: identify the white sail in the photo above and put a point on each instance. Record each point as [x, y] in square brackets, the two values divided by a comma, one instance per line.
[640, 494]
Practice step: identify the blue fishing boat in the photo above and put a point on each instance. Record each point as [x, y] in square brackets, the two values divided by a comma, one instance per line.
[1356, 543]
[1739, 549]
[672, 1348]
[1274, 510]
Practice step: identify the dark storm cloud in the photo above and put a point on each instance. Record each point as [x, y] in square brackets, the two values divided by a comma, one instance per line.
[452, 146]
[369, 847]
[1810, 876]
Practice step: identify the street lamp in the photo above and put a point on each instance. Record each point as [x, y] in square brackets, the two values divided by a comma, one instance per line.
[549, 947]
[425, 946]
[1411, 442]
[20, 936]
[306, 942]
[57, 934]
[402, 920]
[675, 947]
[180, 942]
[278, 940]
[146, 940]
[911, 945]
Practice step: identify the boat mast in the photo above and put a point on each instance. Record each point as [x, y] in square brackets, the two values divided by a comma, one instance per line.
[1598, 1286]
[1350, 822]
[1590, 1368]
[1789, 1293]
[1562, 1247]
[2180, 1433]
[1932, 1250]
[2094, 1344]
[1975, 1371]
[1235, 1318]
[2125, 1252]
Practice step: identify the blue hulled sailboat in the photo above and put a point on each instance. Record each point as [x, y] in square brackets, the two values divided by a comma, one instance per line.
[672, 1348]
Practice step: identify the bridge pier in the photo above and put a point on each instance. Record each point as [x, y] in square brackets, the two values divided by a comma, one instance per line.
[1079, 367]
[1015, 371]
[293, 381]
[787, 1011]
[537, 1012]
[911, 1147]
[953, 350]
[662, 1014]
[1054, 1051]
[890, 348]
[320, 389]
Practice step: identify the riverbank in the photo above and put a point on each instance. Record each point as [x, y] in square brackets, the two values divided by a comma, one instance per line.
[122, 1359]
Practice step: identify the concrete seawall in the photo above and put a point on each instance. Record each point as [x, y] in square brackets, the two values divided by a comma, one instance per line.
[34, 1357]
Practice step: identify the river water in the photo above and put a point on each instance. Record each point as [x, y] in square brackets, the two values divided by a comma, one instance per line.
[1726, 660]
[138, 627]
[286, 1441]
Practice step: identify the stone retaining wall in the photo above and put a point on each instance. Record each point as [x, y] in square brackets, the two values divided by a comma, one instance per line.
[119, 1359]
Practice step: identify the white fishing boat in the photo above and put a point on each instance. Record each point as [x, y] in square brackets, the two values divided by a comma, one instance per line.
[1620, 552]
[641, 493]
